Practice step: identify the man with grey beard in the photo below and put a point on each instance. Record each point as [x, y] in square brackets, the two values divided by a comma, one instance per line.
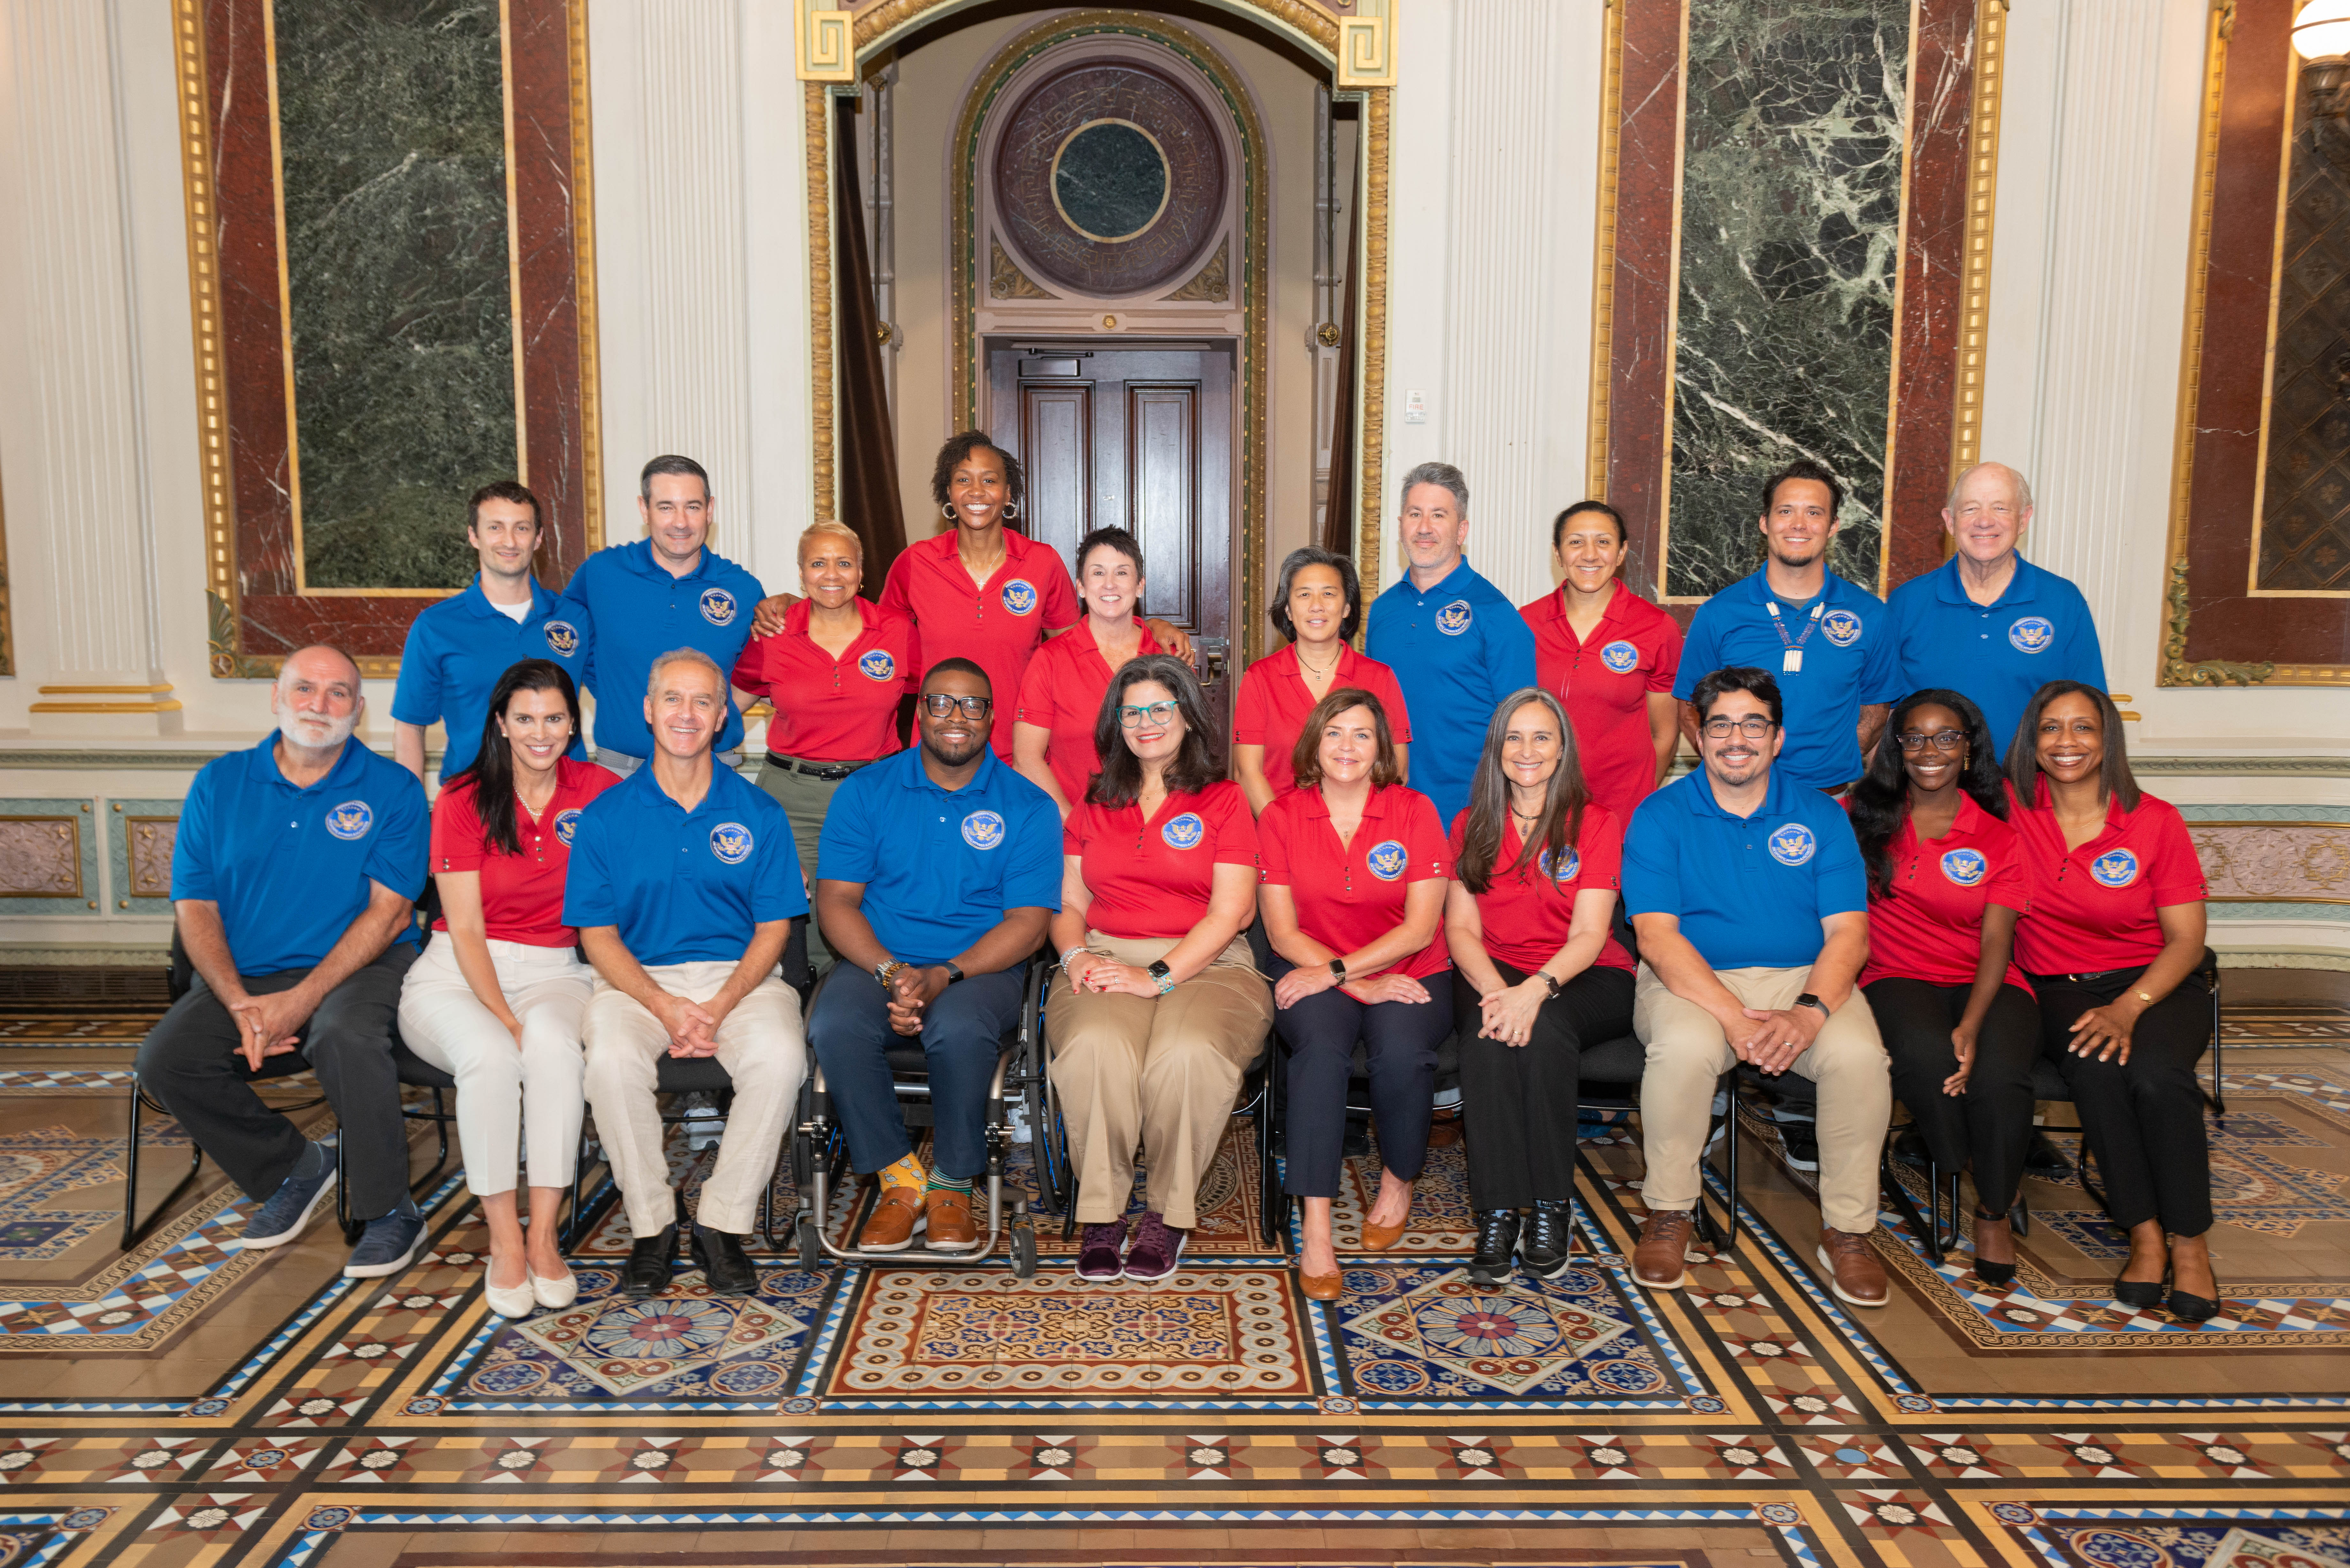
[293, 876]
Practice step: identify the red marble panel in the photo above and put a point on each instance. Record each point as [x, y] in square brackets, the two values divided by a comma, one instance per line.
[1648, 176]
[549, 197]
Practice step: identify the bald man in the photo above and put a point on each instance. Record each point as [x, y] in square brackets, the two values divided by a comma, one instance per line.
[292, 878]
[1986, 623]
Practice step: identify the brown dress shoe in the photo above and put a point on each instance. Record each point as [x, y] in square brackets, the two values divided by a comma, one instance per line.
[948, 1215]
[1379, 1238]
[890, 1228]
[1321, 1287]
[1854, 1272]
[1661, 1261]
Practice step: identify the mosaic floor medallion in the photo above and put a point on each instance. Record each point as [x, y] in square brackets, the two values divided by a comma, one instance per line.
[1438, 1335]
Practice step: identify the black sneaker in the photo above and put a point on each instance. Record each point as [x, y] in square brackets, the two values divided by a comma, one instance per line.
[1801, 1143]
[651, 1260]
[290, 1209]
[388, 1245]
[1497, 1237]
[1548, 1240]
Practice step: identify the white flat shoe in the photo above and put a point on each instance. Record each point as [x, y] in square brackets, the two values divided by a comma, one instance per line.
[510, 1301]
[554, 1294]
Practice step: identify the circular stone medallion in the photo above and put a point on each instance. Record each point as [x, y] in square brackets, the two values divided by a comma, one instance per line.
[1109, 180]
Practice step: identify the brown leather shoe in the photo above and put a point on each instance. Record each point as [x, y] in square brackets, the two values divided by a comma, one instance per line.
[1854, 1272]
[890, 1228]
[1661, 1261]
[948, 1215]
[1321, 1287]
[1379, 1238]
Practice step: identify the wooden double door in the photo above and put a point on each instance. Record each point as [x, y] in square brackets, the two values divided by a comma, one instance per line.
[1141, 438]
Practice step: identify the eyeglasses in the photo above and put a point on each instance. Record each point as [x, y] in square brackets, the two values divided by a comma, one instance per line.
[1940, 740]
[1754, 726]
[1153, 713]
[939, 704]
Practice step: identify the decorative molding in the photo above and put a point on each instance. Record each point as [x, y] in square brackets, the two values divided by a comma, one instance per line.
[1378, 112]
[2274, 862]
[1006, 281]
[1983, 193]
[40, 857]
[1367, 46]
[2295, 767]
[1213, 281]
[825, 36]
[815, 109]
[2175, 670]
[1602, 256]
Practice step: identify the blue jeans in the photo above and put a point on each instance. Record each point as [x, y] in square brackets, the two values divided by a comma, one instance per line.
[962, 1034]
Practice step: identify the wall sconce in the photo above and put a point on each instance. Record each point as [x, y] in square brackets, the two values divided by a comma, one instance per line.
[2321, 30]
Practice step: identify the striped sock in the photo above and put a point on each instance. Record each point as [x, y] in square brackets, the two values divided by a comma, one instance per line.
[938, 1183]
[905, 1172]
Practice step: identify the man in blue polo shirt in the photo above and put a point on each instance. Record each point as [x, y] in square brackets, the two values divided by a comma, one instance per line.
[1456, 643]
[458, 647]
[1986, 623]
[1751, 904]
[292, 878]
[1828, 641]
[684, 884]
[937, 872]
[667, 590]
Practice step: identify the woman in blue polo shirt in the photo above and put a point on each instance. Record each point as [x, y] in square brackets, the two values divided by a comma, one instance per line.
[499, 995]
[1945, 884]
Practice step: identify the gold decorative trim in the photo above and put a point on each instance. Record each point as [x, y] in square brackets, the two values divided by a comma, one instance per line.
[1213, 281]
[1603, 257]
[825, 42]
[1312, 27]
[1371, 449]
[1982, 197]
[2176, 672]
[514, 241]
[816, 102]
[1673, 331]
[1366, 47]
[2198, 826]
[1004, 278]
[583, 284]
[203, 310]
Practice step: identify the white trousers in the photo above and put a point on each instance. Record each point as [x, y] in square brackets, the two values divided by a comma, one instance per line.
[764, 1050]
[507, 1098]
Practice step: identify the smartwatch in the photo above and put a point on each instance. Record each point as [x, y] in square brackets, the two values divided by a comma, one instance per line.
[1338, 971]
[1808, 1000]
[953, 973]
[1551, 980]
[1158, 969]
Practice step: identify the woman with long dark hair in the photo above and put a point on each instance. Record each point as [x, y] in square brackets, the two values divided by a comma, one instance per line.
[2113, 942]
[497, 998]
[1534, 878]
[1158, 1008]
[1945, 884]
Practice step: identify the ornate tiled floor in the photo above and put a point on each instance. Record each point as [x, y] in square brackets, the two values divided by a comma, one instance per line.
[188, 1404]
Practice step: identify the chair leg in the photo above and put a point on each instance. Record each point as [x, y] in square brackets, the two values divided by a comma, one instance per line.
[132, 1228]
[2218, 1095]
[1929, 1236]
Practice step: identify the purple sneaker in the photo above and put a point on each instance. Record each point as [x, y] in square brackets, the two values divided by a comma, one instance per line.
[1097, 1253]
[1156, 1250]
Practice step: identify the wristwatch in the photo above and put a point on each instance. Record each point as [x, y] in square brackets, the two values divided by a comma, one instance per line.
[1158, 969]
[953, 973]
[1338, 971]
[1551, 980]
[887, 970]
[1808, 1000]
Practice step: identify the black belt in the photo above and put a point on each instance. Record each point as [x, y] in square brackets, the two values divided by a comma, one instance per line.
[829, 771]
[2089, 978]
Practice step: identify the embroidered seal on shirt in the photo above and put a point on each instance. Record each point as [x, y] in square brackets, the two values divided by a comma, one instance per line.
[982, 830]
[1965, 867]
[1620, 657]
[718, 606]
[732, 842]
[1565, 871]
[567, 825]
[2031, 634]
[1841, 627]
[2114, 869]
[1454, 618]
[1388, 860]
[350, 820]
[1793, 845]
[1019, 596]
[877, 664]
[562, 637]
[1184, 832]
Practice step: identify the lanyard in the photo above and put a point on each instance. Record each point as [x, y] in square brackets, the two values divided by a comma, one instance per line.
[1791, 660]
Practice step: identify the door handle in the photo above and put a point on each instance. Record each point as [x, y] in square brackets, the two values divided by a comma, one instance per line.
[1214, 652]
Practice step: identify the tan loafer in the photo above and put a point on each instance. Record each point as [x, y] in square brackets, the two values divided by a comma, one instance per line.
[1379, 1238]
[1321, 1287]
[948, 1216]
[890, 1228]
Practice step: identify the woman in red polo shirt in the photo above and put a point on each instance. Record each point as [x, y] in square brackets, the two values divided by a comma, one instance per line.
[497, 997]
[1946, 884]
[1534, 879]
[1158, 1008]
[1610, 656]
[1061, 693]
[2113, 943]
[1317, 606]
[1356, 872]
[834, 673]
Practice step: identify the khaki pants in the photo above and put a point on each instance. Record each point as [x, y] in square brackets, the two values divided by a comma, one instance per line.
[763, 1051]
[805, 801]
[1156, 1071]
[1688, 1052]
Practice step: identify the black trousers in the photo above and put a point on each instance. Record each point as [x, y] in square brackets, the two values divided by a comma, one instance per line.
[188, 1061]
[1518, 1100]
[2142, 1118]
[1991, 1124]
[1398, 1041]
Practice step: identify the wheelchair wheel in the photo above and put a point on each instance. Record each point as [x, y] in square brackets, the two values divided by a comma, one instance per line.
[811, 1253]
[1024, 1248]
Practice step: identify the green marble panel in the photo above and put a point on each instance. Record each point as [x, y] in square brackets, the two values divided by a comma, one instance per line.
[391, 113]
[1791, 216]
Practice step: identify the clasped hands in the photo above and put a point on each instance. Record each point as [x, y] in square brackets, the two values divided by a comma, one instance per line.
[911, 990]
[1775, 1036]
[269, 1025]
[1310, 979]
[692, 1026]
[1092, 971]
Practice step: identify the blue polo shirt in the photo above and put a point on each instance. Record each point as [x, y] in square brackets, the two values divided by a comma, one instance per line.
[2038, 630]
[683, 886]
[290, 867]
[1850, 660]
[630, 611]
[455, 653]
[1457, 649]
[941, 867]
[1751, 891]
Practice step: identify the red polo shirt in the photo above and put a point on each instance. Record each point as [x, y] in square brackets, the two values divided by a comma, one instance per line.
[1350, 894]
[1605, 680]
[1525, 912]
[2093, 909]
[832, 709]
[1274, 702]
[1930, 927]
[1153, 877]
[1062, 691]
[522, 895]
[996, 626]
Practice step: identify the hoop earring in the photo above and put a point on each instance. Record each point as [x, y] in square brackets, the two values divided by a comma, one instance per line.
[1010, 510]
[948, 512]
